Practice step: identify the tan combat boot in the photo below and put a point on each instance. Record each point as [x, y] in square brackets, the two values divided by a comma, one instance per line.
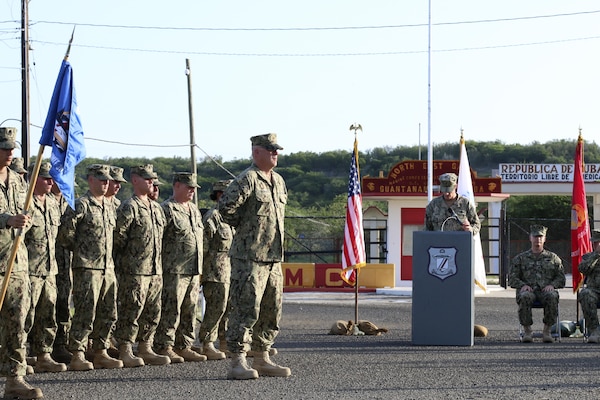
[113, 348]
[546, 335]
[149, 356]
[223, 345]
[265, 367]
[240, 369]
[103, 360]
[190, 355]
[594, 336]
[527, 334]
[79, 363]
[211, 353]
[16, 387]
[126, 355]
[174, 357]
[223, 348]
[61, 354]
[272, 352]
[45, 363]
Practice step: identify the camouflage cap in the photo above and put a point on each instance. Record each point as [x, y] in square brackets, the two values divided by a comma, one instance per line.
[44, 170]
[18, 165]
[156, 182]
[188, 178]
[448, 182]
[220, 186]
[8, 138]
[538, 230]
[268, 141]
[116, 174]
[596, 235]
[99, 171]
[144, 171]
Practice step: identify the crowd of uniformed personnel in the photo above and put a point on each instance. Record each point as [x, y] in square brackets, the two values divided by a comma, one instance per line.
[89, 283]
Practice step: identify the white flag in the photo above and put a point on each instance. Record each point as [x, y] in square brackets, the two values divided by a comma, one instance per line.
[465, 188]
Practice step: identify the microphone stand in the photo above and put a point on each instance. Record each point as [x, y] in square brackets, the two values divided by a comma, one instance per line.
[446, 220]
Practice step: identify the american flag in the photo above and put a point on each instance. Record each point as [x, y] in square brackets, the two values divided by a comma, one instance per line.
[353, 256]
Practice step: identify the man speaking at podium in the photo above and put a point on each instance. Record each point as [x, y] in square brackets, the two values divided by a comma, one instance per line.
[451, 211]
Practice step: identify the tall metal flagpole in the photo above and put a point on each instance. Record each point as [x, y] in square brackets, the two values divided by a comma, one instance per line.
[19, 232]
[429, 145]
[25, 82]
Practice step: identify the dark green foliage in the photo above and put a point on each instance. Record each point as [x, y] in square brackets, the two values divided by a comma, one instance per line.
[317, 182]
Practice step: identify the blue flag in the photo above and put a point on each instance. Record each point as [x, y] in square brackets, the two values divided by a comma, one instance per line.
[62, 131]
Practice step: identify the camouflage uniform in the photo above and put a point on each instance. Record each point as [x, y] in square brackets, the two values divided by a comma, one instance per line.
[88, 232]
[138, 243]
[182, 266]
[437, 211]
[18, 293]
[40, 240]
[64, 285]
[255, 207]
[113, 204]
[216, 274]
[537, 271]
[590, 295]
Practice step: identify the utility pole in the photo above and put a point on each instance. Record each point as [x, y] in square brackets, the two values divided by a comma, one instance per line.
[25, 82]
[188, 72]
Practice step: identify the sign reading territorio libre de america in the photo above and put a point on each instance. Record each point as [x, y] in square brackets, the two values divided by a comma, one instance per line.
[520, 173]
[409, 178]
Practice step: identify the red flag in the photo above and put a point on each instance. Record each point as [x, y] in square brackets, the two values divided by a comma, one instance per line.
[580, 226]
[353, 256]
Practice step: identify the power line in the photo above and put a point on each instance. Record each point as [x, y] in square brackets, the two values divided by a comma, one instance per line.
[385, 53]
[316, 28]
[164, 146]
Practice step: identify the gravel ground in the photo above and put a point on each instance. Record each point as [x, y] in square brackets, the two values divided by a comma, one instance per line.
[368, 367]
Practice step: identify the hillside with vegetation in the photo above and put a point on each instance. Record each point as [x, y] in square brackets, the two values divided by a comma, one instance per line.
[315, 180]
[318, 182]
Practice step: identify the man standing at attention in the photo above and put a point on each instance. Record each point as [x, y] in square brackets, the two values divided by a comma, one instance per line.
[17, 299]
[88, 232]
[114, 185]
[216, 273]
[451, 211]
[64, 286]
[40, 240]
[254, 204]
[155, 190]
[536, 274]
[182, 266]
[138, 247]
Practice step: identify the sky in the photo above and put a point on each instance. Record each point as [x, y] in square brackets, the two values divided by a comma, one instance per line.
[512, 70]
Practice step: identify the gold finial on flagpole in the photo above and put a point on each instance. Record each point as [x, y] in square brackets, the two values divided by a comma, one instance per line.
[462, 137]
[355, 127]
[70, 41]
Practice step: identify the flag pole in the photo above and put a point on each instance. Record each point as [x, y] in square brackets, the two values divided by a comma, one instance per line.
[19, 232]
[355, 128]
[578, 332]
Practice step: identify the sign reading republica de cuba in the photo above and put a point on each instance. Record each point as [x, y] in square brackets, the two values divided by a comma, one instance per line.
[521, 173]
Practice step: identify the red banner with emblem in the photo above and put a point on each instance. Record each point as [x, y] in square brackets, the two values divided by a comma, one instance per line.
[580, 226]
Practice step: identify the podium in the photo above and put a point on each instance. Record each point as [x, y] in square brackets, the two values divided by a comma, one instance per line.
[443, 288]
